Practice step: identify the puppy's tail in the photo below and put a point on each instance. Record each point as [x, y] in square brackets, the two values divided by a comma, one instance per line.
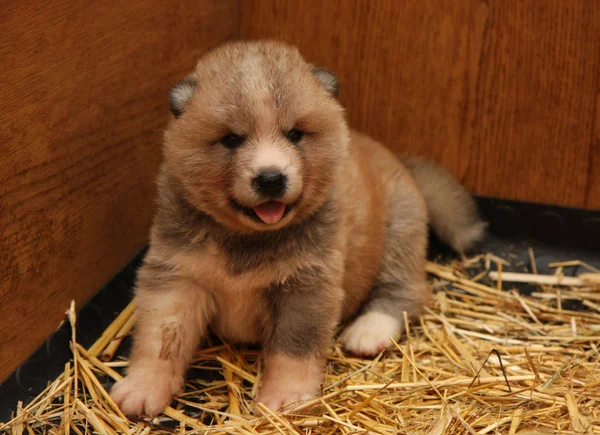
[452, 211]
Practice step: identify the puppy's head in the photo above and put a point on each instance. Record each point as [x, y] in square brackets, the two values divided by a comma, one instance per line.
[258, 138]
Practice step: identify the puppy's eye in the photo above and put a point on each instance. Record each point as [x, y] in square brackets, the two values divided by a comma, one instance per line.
[294, 135]
[232, 140]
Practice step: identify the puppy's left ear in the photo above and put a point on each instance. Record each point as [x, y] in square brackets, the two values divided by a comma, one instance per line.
[328, 80]
[180, 94]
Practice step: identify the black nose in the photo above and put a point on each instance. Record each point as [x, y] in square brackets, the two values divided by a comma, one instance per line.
[270, 183]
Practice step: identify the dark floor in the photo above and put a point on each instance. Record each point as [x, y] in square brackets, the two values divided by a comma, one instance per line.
[554, 233]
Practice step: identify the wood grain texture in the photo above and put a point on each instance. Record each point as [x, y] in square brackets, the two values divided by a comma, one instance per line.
[593, 186]
[501, 92]
[84, 102]
[536, 101]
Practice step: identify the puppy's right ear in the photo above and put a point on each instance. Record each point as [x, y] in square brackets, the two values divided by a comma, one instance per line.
[180, 94]
[328, 79]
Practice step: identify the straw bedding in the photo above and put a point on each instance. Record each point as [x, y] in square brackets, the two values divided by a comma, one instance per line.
[485, 359]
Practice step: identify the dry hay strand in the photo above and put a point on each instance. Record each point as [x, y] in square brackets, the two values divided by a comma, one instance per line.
[481, 360]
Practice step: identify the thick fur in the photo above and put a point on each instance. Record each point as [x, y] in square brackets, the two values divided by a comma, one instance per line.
[452, 211]
[350, 246]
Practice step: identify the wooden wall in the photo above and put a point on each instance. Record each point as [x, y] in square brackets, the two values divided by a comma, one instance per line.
[84, 100]
[504, 93]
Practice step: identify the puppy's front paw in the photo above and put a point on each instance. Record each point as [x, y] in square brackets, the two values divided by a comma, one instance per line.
[288, 380]
[370, 333]
[282, 400]
[146, 392]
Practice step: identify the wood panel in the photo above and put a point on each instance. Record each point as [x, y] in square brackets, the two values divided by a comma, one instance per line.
[536, 101]
[501, 92]
[593, 186]
[84, 102]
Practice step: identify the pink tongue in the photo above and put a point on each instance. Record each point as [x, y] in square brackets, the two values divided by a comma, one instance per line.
[270, 212]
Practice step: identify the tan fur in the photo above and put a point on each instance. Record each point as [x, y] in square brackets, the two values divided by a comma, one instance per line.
[350, 248]
[242, 102]
[452, 212]
[298, 377]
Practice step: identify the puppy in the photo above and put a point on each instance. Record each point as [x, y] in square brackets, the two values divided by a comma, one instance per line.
[274, 224]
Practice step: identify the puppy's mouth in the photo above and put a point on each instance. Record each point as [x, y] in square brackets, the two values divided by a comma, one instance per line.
[269, 212]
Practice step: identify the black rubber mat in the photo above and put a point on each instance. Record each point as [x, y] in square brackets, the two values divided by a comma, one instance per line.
[554, 233]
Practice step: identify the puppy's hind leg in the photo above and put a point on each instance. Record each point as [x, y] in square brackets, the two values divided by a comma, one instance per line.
[401, 285]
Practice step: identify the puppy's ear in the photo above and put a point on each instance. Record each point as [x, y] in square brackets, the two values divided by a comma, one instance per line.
[327, 79]
[180, 94]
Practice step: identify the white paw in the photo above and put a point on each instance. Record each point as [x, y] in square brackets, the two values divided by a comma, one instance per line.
[370, 333]
[146, 392]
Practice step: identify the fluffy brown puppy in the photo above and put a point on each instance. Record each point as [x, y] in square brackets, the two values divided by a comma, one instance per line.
[275, 223]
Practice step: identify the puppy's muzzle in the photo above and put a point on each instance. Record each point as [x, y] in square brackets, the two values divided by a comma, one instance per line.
[272, 184]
